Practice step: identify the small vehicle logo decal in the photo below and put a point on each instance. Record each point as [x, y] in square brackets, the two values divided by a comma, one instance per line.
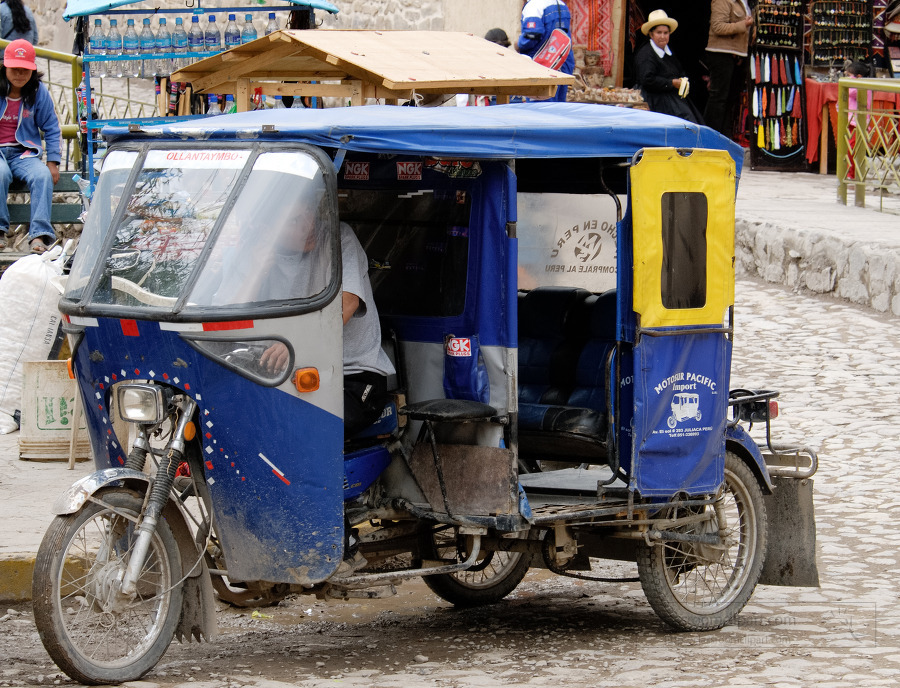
[459, 346]
[409, 171]
[357, 171]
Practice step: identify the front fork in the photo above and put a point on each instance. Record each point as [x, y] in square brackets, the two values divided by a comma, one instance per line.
[159, 492]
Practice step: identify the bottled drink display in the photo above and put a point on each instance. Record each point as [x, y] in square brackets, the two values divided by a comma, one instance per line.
[164, 45]
[213, 108]
[142, 46]
[179, 44]
[248, 31]
[196, 39]
[272, 25]
[131, 45]
[147, 43]
[232, 33]
[213, 36]
[114, 47]
[97, 46]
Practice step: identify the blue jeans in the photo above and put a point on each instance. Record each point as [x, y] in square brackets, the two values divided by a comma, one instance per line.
[32, 170]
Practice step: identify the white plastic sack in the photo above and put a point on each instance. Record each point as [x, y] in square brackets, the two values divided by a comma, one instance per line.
[29, 318]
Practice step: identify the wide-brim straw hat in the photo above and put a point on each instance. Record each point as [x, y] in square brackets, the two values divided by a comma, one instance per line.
[658, 18]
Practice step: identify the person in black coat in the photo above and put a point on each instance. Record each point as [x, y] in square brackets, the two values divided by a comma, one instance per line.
[659, 74]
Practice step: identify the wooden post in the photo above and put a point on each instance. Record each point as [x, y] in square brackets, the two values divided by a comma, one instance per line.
[242, 95]
[620, 26]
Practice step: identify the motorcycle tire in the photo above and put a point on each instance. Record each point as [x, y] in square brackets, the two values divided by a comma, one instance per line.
[696, 587]
[494, 576]
[93, 636]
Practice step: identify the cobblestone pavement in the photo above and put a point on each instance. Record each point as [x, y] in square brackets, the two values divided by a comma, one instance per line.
[837, 367]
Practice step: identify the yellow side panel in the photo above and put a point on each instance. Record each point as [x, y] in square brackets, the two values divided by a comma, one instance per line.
[663, 171]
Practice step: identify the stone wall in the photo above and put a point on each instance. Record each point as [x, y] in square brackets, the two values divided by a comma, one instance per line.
[821, 262]
[476, 16]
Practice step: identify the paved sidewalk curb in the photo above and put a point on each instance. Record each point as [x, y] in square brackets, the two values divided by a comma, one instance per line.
[16, 571]
[790, 229]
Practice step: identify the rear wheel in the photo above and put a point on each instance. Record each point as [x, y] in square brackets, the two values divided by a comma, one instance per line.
[494, 575]
[697, 587]
[94, 633]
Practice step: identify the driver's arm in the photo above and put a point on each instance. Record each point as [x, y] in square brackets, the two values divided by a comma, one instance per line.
[349, 305]
[275, 358]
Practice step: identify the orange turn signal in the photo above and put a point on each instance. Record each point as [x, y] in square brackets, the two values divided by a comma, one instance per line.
[306, 379]
[70, 368]
[190, 430]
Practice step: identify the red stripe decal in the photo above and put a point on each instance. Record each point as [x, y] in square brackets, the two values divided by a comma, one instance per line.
[130, 328]
[221, 326]
[281, 478]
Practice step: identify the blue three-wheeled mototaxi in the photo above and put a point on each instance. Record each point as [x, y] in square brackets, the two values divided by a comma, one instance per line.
[555, 286]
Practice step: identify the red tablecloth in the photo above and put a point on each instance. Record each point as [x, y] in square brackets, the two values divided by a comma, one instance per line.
[818, 93]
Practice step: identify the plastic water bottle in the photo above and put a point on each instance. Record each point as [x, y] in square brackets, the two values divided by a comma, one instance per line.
[232, 33]
[230, 105]
[164, 45]
[80, 100]
[179, 44]
[196, 40]
[248, 31]
[213, 35]
[277, 104]
[213, 108]
[114, 49]
[147, 41]
[97, 47]
[298, 103]
[131, 45]
[272, 25]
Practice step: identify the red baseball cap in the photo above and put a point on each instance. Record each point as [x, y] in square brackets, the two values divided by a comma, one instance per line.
[19, 53]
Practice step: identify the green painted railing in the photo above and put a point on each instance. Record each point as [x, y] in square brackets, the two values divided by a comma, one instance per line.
[868, 139]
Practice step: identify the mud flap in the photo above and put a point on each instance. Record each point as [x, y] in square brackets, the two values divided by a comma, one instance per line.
[791, 530]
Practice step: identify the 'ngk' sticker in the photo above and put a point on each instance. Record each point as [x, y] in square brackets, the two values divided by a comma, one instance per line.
[409, 171]
[358, 171]
[459, 346]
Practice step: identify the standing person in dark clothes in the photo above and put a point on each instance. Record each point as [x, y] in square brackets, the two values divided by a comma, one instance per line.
[659, 74]
[729, 37]
[17, 21]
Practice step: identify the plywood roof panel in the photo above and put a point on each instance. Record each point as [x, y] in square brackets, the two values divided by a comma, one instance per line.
[393, 61]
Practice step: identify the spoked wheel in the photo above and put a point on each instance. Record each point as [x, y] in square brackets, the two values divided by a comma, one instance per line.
[493, 577]
[93, 632]
[697, 587]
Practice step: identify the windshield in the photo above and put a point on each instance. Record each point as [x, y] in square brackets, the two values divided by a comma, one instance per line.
[198, 231]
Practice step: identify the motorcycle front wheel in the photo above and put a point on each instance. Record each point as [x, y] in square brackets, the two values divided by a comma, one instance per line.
[95, 634]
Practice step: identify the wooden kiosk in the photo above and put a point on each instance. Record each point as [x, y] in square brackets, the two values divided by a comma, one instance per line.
[359, 65]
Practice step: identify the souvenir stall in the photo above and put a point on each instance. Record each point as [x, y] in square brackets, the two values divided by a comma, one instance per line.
[776, 127]
[600, 31]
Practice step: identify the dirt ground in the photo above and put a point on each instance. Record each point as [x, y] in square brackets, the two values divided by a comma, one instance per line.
[550, 631]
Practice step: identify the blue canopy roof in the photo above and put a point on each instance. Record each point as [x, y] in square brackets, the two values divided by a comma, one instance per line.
[531, 130]
[80, 8]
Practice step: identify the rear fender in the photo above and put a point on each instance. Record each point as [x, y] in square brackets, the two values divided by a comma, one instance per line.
[790, 518]
[739, 442]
